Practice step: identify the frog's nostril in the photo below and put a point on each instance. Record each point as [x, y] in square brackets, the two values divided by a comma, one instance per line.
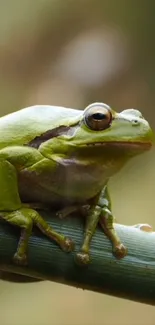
[135, 122]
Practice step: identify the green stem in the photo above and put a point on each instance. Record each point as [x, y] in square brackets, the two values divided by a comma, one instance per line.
[132, 277]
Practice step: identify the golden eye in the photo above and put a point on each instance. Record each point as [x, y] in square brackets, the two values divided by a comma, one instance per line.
[98, 116]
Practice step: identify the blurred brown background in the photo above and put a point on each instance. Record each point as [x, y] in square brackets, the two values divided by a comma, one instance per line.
[72, 53]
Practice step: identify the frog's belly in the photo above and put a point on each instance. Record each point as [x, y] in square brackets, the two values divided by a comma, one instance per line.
[76, 184]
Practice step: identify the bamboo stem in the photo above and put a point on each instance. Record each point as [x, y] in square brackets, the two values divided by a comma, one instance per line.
[132, 277]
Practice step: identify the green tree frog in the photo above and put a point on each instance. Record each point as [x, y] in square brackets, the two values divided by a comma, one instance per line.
[63, 158]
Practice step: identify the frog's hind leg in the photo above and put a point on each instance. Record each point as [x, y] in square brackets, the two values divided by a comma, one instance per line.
[25, 218]
[12, 211]
[22, 220]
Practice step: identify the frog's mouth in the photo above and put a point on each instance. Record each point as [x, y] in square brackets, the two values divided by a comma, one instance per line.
[118, 149]
[125, 144]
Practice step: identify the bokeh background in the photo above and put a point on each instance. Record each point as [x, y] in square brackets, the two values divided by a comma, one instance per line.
[72, 53]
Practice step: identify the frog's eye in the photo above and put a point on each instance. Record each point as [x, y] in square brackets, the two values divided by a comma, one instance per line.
[98, 116]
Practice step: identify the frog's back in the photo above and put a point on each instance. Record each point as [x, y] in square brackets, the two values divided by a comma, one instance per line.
[20, 127]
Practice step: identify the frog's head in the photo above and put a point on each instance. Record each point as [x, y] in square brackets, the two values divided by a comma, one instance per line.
[105, 130]
[99, 134]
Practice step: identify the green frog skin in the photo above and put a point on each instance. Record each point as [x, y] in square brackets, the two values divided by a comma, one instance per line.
[62, 157]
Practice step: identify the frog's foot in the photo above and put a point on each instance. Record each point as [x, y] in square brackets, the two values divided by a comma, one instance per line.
[20, 259]
[67, 245]
[82, 258]
[144, 227]
[120, 251]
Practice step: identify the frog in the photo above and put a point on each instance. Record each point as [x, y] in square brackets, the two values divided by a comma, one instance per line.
[63, 158]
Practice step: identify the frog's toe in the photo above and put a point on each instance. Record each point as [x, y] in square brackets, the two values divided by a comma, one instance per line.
[120, 251]
[82, 258]
[20, 259]
[67, 245]
[60, 214]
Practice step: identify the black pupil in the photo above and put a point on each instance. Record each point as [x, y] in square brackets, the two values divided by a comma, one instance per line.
[99, 116]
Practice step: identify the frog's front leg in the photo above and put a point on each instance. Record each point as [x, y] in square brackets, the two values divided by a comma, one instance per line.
[92, 213]
[92, 219]
[106, 221]
[100, 212]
